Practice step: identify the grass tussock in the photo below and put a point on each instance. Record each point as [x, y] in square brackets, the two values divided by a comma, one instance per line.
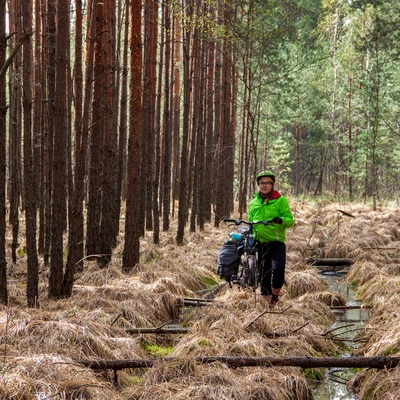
[326, 297]
[41, 348]
[302, 282]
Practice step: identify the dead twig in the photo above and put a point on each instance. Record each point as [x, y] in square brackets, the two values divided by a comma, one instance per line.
[266, 311]
[335, 329]
[346, 213]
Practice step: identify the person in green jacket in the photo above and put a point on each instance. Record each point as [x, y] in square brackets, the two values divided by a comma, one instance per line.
[269, 204]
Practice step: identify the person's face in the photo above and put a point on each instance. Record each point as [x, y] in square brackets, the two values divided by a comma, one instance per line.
[265, 185]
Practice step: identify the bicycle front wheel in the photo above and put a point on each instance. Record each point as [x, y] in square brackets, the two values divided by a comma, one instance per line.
[252, 271]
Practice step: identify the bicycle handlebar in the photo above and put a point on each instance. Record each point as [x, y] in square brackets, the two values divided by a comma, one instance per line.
[241, 221]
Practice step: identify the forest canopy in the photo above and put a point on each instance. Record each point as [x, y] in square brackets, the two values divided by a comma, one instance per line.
[122, 115]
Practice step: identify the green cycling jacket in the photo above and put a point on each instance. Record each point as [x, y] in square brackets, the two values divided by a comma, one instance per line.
[276, 206]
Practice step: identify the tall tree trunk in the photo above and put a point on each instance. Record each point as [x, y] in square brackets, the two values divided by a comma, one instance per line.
[201, 143]
[29, 173]
[157, 209]
[59, 164]
[183, 187]
[133, 200]
[115, 56]
[38, 115]
[15, 132]
[166, 124]
[209, 124]
[76, 225]
[176, 109]
[149, 101]
[243, 149]
[107, 221]
[51, 12]
[121, 163]
[44, 107]
[94, 211]
[350, 134]
[224, 199]
[218, 192]
[3, 112]
[194, 178]
[153, 209]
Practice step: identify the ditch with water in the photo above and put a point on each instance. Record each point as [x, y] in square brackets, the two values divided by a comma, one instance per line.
[348, 322]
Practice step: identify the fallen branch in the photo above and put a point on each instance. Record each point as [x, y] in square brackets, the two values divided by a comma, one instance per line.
[193, 302]
[358, 307]
[25, 35]
[302, 362]
[197, 299]
[157, 331]
[212, 292]
[285, 333]
[335, 329]
[346, 213]
[266, 311]
[333, 262]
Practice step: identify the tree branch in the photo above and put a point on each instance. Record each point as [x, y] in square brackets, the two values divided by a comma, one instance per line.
[24, 36]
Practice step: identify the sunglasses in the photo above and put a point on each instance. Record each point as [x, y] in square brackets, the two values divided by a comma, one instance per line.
[266, 183]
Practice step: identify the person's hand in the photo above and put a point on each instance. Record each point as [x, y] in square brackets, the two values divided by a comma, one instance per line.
[277, 220]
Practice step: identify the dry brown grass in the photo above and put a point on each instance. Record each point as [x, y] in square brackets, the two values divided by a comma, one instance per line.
[40, 348]
[302, 282]
[326, 297]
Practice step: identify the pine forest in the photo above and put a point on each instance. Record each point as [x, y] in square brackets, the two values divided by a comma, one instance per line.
[129, 129]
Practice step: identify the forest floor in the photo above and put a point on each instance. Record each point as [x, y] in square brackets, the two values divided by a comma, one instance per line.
[42, 349]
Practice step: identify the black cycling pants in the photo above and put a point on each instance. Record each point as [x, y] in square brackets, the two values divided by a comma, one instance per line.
[273, 261]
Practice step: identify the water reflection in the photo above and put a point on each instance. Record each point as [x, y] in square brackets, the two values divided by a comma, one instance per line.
[348, 322]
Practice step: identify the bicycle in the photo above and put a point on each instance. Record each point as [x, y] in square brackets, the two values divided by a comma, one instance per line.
[249, 267]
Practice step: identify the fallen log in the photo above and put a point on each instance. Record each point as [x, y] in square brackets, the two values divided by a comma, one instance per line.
[156, 331]
[355, 307]
[198, 299]
[212, 292]
[332, 262]
[195, 302]
[235, 362]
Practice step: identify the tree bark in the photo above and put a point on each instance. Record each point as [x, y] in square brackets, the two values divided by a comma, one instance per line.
[48, 133]
[3, 112]
[209, 125]
[133, 200]
[166, 158]
[149, 106]
[176, 108]
[59, 193]
[38, 105]
[93, 238]
[107, 221]
[15, 129]
[195, 136]
[183, 187]
[32, 289]
[157, 160]
[233, 361]
[76, 225]
[123, 125]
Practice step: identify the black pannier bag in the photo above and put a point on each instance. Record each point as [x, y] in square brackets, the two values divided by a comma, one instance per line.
[228, 259]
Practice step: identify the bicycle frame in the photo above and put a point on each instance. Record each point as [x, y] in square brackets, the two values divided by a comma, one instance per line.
[249, 269]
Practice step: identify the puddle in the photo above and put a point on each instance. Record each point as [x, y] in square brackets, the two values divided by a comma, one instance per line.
[347, 324]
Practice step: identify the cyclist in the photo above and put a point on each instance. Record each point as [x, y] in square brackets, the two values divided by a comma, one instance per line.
[269, 204]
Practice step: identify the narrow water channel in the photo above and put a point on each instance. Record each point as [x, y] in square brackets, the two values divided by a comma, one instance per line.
[347, 324]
